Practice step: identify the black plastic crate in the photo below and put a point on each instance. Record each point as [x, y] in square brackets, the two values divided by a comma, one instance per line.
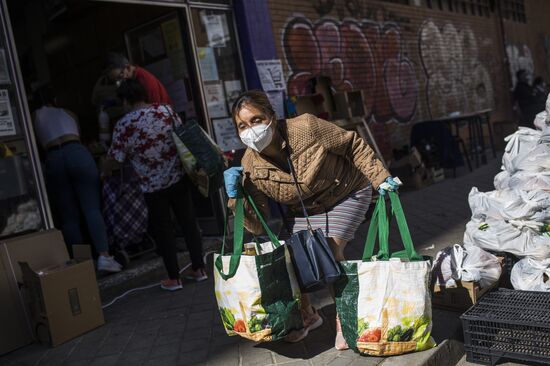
[508, 324]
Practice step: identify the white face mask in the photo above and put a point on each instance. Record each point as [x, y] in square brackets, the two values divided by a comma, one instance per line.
[257, 137]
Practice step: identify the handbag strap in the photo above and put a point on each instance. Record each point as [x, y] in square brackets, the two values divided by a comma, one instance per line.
[380, 225]
[238, 235]
[293, 172]
[171, 114]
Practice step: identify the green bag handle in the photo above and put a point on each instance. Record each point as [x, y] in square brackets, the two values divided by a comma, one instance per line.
[380, 225]
[397, 210]
[376, 227]
[238, 235]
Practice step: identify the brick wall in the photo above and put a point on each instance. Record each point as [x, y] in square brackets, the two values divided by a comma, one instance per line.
[413, 62]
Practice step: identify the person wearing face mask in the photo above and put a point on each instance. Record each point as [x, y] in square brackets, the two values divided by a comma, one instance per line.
[336, 170]
[143, 137]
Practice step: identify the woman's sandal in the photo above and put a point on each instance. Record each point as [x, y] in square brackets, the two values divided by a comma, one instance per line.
[340, 342]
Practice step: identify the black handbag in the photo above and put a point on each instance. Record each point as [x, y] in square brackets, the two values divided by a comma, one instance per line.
[310, 252]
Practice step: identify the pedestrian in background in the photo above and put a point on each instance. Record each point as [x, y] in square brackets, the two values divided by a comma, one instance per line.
[525, 97]
[118, 68]
[335, 168]
[72, 177]
[143, 137]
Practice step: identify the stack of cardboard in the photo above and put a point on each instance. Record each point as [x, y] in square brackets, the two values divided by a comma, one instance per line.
[45, 296]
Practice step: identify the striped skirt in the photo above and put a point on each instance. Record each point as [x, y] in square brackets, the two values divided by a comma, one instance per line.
[340, 222]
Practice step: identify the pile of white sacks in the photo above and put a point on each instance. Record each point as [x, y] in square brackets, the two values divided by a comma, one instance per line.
[515, 217]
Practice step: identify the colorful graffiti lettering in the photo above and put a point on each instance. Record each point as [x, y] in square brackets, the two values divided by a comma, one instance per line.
[356, 55]
[456, 80]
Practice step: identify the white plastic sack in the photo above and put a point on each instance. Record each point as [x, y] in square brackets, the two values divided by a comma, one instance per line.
[475, 264]
[521, 238]
[520, 142]
[531, 275]
[502, 180]
[540, 120]
[528, 181]
[535, 160]
[510, 204]
[545, 136]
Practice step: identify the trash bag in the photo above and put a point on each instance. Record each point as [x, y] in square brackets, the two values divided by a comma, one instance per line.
[520, 142]
[518, 237]
[457, 263]
[530, 274]
[383, 301]
[510, 204]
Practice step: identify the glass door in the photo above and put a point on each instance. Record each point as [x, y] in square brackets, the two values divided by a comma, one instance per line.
[162, 47]
[23, 206]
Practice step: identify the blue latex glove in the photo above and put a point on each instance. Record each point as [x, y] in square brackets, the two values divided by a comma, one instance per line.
[232, 178]
[391, 184]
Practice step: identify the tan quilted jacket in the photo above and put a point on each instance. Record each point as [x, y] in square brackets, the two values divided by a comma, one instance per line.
[330, 164]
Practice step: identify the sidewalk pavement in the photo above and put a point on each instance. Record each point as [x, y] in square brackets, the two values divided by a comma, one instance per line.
[153, 327]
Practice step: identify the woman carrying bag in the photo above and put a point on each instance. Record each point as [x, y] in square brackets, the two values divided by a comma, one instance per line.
[322, 173]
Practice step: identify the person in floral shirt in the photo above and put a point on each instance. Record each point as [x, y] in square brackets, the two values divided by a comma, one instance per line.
[144, 137]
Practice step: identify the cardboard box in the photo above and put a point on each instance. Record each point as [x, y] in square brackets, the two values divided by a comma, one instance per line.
[63, 300]
[40, 249]
[15, 331]
[415, 158]
[437, 175]
[422, 177]
[460, 298]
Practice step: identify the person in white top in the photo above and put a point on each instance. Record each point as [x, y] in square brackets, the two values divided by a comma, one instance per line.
[72, 177]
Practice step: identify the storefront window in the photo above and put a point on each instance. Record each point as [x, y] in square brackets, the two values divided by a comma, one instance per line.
[220, 69]
[20, 205]
[159, 47]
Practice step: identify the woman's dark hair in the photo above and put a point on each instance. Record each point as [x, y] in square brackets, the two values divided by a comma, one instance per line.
[131, 91]
[115, 61]
[253, 98]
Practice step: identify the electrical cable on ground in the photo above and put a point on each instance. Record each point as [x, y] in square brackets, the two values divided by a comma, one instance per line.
[148, 286]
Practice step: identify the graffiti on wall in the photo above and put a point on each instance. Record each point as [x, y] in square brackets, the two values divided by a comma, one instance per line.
[519, 57]
[456, 80]
[356, 55]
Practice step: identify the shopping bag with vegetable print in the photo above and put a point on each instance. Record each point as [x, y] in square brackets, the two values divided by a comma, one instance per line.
[383, 301]
[258, 295]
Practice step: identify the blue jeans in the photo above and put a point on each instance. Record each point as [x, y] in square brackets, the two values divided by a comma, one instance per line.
[73, 182]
